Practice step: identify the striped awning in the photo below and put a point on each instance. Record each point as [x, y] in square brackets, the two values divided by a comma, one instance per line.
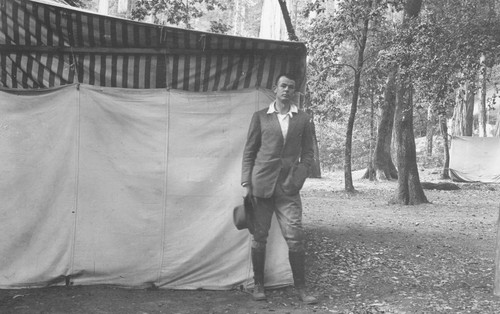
[43, 45]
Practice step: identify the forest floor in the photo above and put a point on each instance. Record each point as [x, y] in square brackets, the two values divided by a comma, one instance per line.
[363, 256]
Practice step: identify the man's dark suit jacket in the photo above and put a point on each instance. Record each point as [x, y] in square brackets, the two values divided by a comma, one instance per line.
[267, 154]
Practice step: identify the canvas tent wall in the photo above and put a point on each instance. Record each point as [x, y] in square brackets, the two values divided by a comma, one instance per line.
[121, 145]
[475, 159]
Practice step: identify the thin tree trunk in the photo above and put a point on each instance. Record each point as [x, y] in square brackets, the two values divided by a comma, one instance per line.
[482, 104]
[371, 173]
[237, 17]
[430, 131]
[349, 187]
[315, 171]
[288, 21]
[469, 110]
[348, 183]
[444, 133]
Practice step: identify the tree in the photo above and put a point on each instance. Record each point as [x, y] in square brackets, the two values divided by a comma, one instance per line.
[409, 190]
[219, 27]
[84, 4]
[448, 42]
[347, 26]
[364, 17]
[436, 55]
[470, 37]
[175, 12]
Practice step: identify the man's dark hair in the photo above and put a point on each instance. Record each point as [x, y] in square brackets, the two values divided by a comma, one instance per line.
[288, 75]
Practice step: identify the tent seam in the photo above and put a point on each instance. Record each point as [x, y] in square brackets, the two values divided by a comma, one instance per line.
[165, 171]
[77, 181]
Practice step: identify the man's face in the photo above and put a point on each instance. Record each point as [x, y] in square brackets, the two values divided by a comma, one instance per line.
[285, 89]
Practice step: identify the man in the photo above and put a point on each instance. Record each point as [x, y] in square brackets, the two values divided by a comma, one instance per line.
[277, 155]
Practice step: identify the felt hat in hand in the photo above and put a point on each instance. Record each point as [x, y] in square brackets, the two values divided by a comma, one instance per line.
[243, 215]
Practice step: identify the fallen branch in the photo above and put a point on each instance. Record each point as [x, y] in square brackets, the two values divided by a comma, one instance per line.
[439, 186]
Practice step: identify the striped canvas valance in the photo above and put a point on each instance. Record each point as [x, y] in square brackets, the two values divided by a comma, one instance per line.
[43, 45]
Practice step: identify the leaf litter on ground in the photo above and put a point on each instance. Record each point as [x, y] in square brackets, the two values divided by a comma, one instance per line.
[365, 256]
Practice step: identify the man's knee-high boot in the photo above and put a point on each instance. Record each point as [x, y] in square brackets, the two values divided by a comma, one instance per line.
[297, 262]
[258, 261]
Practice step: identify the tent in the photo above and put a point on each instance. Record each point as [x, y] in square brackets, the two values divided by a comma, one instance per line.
[475, 159]
[121, 149]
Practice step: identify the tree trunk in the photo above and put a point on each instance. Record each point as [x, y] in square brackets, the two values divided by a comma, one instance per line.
[315, 171]
[430, 131]
[409, 191]
[444, 133]
[382, 160]
[348, 184]
[482, 104]
[288, 21]
[463, 113]
[370, 171]
[469, 111]
[238, 17]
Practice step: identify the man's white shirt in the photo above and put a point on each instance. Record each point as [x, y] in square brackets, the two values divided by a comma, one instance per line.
[284, 119]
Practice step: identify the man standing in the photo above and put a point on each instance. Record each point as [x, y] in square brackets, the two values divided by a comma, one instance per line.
[277, 156]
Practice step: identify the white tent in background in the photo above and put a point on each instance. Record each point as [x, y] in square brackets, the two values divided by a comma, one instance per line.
[475, 159]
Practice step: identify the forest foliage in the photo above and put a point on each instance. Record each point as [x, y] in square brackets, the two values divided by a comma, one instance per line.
[447, 42]
[453, 45]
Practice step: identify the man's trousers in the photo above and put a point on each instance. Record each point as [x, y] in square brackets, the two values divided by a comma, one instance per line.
[288, 209]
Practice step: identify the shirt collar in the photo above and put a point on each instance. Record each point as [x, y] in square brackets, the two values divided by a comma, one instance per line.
[272, 109]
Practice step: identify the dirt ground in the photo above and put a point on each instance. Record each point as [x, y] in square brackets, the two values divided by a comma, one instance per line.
[363, 256]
